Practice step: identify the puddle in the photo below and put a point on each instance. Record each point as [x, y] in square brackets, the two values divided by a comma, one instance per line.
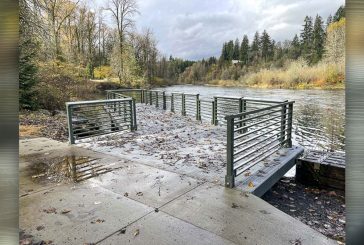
[64, 169]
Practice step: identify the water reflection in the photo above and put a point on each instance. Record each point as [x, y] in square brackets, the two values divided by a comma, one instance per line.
[70, 168]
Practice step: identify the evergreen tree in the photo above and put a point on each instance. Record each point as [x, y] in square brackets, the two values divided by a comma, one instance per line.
[307, 38]
[318, 39]
[329, 20]
[27, 75]
[224, 52]
[236, 50]
[230, 50]
[266, 46]
[244, 50]
[255, 48]
[295, 50]
[340, 13]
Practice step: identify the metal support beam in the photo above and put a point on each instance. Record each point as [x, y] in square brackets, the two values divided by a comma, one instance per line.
[71, 138]
[230, 173]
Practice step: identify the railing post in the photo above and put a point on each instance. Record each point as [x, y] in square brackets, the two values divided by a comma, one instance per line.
[70, 126]
[134, 116]
[283, 124]
[156, 99]
[215, 112]
[183, 105]
[172, 103]
[150, 98]
[289, 126]
[230, 173]
[164, 100]
[198, 108]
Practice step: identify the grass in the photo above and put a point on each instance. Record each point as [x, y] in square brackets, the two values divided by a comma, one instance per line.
[30, 130]
[298, 75]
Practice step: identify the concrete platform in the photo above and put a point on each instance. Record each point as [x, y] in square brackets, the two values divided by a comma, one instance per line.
[161, 207]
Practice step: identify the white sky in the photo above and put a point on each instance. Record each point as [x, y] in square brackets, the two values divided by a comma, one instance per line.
[196, 29]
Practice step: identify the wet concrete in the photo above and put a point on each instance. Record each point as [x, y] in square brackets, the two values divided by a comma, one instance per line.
[139, 204]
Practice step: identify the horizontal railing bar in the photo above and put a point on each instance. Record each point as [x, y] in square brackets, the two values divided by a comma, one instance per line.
[257, 136]
[112, 129]
[255, 130]
[99, 134]
[255, 157]
[255, 144]
[259, 110]
[259, 122]
[269, 152]
[247, 119]
[90, 102]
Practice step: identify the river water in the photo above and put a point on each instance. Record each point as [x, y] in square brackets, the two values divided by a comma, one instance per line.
[318, 117]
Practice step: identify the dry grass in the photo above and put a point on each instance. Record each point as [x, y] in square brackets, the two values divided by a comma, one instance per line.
[298, 75]
[30, 130]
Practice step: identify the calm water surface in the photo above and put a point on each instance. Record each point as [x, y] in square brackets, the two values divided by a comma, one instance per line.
[319, 115]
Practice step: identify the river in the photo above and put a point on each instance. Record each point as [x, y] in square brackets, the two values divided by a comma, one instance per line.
[318, 118]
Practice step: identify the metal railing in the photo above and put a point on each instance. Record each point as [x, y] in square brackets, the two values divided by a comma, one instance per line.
[255, 134]
[137, 94]
[98, 117]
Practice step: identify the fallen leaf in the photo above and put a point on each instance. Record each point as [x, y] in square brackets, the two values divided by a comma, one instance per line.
[65, 211]
[96, 203]
[136, 232]
[122, 231]
[126, 194]
[50, 210]
[139, 193]
[251, 184]
[39, 228]
[98, 221]
[233, 205]
[247, 174]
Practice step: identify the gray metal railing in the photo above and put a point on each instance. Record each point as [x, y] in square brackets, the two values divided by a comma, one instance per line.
[254, 135]
[137, 94]
[98, 117]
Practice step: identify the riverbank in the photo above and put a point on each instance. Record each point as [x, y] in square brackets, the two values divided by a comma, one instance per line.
[322, 210]
[300, 86]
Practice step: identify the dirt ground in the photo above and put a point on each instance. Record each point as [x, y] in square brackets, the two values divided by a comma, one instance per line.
[196, 145]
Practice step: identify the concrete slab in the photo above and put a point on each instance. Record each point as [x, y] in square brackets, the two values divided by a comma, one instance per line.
[90, 214]
[241, 218]
[58, 164]
[39, 145]
[163, 229]
[145, 184]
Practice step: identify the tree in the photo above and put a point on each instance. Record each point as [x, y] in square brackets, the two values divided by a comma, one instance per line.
[307, 38]
[295, 49]
[335, 42]
[255, 48]
[340, 13]
[230, 50]
[123, 11]
[266, 46]
[56, 13]
[27, 55]
[236, 50]
[318, 39]
[328, 21]
[244, 50]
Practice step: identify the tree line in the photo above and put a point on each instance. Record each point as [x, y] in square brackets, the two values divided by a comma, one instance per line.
[238, 58]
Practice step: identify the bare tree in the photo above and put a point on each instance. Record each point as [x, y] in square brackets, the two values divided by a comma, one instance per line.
[123, 12]
[55, 13]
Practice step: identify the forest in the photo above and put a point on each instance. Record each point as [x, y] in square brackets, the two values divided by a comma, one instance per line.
[70, 51]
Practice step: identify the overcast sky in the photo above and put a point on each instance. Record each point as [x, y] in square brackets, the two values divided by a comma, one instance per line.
[196, 29]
